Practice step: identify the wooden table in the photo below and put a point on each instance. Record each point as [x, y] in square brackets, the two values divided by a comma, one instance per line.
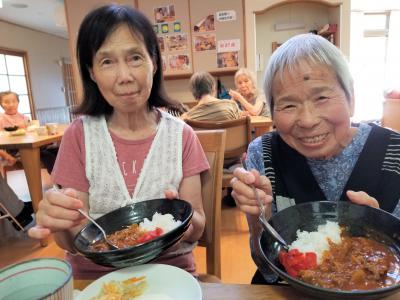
[260, 125]
[223, 291]
[29, 149]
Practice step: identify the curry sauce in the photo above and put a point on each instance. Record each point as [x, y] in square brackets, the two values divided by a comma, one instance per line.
[358, 263]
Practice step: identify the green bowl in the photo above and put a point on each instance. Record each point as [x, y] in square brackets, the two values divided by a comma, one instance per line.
[42, 278]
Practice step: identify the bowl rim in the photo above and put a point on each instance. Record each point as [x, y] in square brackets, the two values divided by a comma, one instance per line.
[33, 260]
[185, 223]
[279, 271]
[11, 128]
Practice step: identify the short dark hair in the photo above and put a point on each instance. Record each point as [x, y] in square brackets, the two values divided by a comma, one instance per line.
[202, 83]
[94, 30]
[6, 93]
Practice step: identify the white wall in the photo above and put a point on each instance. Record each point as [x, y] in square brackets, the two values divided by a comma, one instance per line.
[312, 15]
[43, 51]
[254, 7]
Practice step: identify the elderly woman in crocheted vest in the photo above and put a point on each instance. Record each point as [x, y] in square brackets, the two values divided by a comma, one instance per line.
[250, 99]
[316, 152]
[123, 149]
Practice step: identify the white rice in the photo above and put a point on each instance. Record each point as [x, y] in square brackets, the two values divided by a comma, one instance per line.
[165, 222]
[317, 241]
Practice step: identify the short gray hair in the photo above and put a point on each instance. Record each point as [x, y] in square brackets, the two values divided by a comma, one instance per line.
[202, 83]
[248, 73]
[314, 49]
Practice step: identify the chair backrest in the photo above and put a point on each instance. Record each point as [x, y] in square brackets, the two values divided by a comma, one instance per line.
[6, 214]
[213, 142]
[238, 134]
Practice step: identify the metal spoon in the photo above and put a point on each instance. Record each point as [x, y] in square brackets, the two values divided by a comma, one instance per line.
[262, 217]
[112, 246]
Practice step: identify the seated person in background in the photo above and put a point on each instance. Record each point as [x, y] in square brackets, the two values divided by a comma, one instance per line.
[145, 153]
[250, 99]
[316, 153]
[203, 87]
[9, 101]
[21, 210]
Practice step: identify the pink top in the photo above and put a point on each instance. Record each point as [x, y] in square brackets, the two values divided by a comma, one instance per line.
[18, 119]
[69, 171]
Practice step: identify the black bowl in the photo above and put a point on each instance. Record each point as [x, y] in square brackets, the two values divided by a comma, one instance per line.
[12, 128]
[358, 220]
[125, 216]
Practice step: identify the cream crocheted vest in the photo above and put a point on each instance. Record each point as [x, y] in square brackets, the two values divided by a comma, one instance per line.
[162, 168]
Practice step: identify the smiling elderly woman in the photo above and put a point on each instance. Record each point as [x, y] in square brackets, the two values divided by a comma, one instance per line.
[315, 152]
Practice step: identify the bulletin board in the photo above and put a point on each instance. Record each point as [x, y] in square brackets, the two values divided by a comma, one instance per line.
[171, 23]
[218, 41]
[198, 35]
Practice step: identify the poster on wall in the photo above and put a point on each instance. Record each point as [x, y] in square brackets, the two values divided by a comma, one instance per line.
[155, 27]
[205, 24]
[177, 42]
[164, 28]
[228, 45]
[226, 15]
[204, 42]
[179, 62]
[164, 62]
[161, 43]
[177, 27]
[164, 14]
[228, 59]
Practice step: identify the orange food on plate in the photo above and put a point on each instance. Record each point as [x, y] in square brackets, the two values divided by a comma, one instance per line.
[126, 289]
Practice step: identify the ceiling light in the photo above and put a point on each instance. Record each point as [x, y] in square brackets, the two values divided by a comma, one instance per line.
[1, 3]
[289, 26]
[19, 5]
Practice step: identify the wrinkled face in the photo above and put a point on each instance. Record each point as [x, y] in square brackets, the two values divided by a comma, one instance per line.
[311, 111]
[123, 71]
[10, 104]
[244, 85]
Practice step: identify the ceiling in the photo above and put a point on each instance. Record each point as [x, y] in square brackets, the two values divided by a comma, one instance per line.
[43, 15]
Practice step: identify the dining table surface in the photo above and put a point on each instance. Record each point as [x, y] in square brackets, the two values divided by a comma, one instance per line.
[28, 146]
[230, 291]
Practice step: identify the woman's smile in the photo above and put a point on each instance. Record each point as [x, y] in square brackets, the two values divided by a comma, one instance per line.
[314, 140]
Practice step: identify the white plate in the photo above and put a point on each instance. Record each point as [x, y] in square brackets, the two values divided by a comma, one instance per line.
[164, 282]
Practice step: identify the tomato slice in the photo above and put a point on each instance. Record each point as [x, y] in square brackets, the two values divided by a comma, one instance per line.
[150, 235]
[295, 261]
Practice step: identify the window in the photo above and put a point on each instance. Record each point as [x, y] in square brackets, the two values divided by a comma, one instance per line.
[14, 77]
[368, 60]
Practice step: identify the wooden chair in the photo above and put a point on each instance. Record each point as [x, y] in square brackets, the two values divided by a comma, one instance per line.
[4, 213]
[213, 142]
[238, 137]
